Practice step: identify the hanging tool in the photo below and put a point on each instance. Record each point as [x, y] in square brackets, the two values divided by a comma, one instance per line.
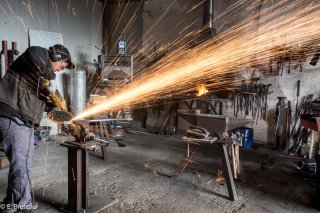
[315, 58]
[298, 94]
[252, 97]
[297, 133]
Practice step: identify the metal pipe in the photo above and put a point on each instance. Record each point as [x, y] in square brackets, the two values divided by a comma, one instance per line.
[5, 52]
[3, 66]
[110, 119]
[14, 53]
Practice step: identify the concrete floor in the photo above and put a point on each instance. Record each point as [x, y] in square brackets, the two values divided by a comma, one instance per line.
[269, 181]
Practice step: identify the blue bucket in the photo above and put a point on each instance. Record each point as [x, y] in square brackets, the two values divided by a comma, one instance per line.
[247, 139]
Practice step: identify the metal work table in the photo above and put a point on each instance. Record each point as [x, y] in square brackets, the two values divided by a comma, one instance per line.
[217, 125]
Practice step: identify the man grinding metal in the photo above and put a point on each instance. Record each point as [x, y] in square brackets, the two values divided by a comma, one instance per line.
[25, 89]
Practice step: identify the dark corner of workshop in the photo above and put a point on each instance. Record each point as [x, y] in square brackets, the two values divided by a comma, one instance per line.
[159, 106]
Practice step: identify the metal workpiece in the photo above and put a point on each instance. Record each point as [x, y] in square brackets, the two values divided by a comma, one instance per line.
[107, 119]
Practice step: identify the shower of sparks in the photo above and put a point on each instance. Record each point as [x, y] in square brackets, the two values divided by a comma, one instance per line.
[58, 17]
[154, 172]
[22, 22]
[101, 17]
[46, 153]
[29, 8]
[197, 173]
[220, 58]
[74, 12]
[210, 181]
[94, 5]
[194, 7]
[219, 176]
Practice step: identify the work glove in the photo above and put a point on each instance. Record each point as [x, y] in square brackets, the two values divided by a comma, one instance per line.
[57, 101]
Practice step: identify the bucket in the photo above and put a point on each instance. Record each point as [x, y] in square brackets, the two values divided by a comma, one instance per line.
[247, 139]
[44, 133]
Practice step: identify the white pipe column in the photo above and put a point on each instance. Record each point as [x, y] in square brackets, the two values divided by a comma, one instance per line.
[3, 65]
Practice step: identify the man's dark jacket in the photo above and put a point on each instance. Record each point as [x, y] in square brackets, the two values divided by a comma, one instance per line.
[18, 88]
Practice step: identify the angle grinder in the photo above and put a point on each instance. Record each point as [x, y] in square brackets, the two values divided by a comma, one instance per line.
[60, 117]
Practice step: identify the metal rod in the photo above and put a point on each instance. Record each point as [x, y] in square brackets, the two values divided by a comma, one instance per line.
[5, 52]
[110, 119]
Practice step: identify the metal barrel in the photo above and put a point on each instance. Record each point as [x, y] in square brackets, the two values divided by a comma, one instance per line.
[77, 91]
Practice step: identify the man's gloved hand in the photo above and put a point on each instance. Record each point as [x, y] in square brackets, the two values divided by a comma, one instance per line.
[50, 85]
[57, 101]
[63, 105]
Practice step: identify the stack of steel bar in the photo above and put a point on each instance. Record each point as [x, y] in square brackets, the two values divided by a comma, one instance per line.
[299, 135]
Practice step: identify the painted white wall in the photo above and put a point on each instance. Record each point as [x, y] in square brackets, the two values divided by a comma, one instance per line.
[77, 21]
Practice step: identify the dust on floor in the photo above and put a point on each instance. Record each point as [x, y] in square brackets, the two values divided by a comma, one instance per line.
[137, 178]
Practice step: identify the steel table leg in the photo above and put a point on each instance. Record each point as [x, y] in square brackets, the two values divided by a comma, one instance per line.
[226, 169]
[78, 179]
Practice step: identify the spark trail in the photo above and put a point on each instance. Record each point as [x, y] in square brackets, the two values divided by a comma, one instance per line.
[216, 59]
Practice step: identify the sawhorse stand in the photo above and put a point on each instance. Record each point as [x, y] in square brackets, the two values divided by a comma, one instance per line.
[226, 167]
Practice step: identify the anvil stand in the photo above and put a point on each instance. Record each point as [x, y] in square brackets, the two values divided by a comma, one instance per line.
[78, 176]
[78, 180]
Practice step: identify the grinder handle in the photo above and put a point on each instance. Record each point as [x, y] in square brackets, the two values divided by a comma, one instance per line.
[57, 100]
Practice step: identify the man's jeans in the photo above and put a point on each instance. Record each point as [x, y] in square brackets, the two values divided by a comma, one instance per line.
[17, 142]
